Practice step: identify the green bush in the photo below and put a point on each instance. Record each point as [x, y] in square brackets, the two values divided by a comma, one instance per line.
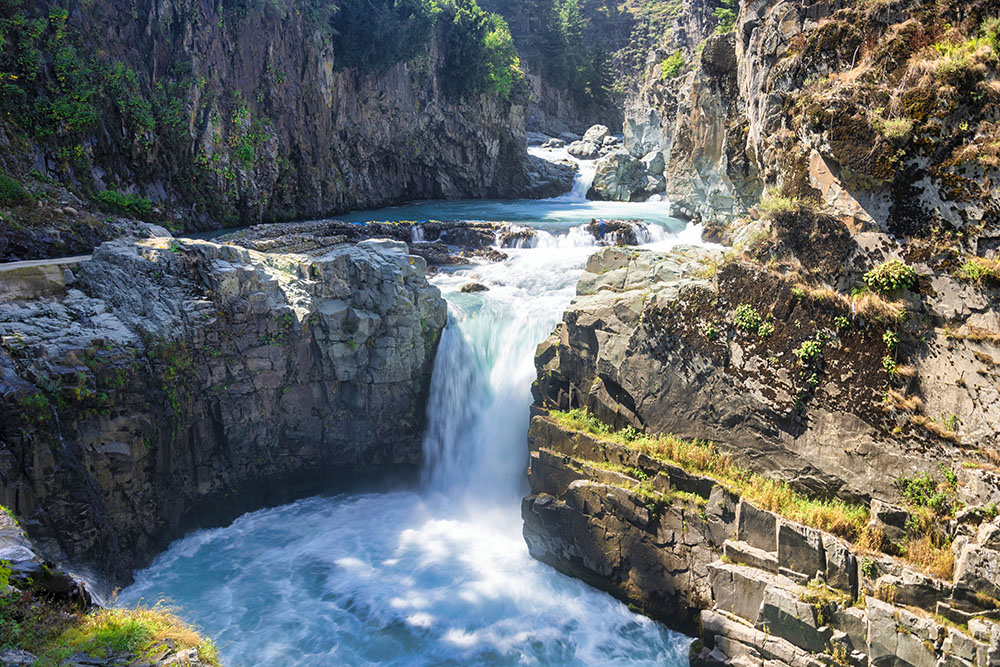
[125, 204]
[891, 340]
[808, 350]
[747, 318]
[891, 276]
[672, 66]
[12, 193]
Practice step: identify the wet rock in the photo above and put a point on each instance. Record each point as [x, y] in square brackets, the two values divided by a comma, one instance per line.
[515, 236]
[471, 288]
[548, 178]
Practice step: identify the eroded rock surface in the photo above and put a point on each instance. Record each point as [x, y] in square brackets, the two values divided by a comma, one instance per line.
[175, 373]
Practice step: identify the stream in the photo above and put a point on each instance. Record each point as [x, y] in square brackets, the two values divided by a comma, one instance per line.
[439, 575]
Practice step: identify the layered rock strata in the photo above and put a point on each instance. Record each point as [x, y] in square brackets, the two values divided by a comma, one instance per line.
[755, 588]
[166, 375]
[792, 383]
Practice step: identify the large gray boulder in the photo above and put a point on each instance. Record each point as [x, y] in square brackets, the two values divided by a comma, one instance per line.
[619, 177]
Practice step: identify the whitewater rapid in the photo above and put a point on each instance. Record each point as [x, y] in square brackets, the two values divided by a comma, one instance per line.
[438, 575]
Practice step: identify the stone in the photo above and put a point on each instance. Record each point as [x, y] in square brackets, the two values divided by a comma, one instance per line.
[841, 565]
[13, 657]
[800, 549]
[596, 134]
[782, 614]
[474, 287]
[619, 177]
[584, 150]
[756, 527]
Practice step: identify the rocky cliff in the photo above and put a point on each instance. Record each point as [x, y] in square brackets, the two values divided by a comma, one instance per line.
[240, 112]
[161, 376]
[880, 113]
[864, 426]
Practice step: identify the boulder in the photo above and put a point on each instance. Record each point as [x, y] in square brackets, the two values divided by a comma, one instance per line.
[548, 178]
[474, 287]
[596, 134]
[621, 177]
[584, 150]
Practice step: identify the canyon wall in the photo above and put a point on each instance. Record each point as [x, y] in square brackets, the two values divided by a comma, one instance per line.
[240, 112]
[162, 377]
[876, 546]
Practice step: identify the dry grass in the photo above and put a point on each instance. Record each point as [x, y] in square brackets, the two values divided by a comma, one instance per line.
[702, 458]
[934, 427]
[876, 308]
[975, 334]
[895, 400]
[935, 560]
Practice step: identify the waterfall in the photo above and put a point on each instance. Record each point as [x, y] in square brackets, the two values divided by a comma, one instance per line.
[585, 171]
[440, 575]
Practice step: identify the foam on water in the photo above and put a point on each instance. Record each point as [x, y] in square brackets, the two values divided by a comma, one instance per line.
[441, 576]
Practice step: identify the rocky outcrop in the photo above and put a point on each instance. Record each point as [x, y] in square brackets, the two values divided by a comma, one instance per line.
[170, 375]
[754, 587]
[792, 383]
[649, 343]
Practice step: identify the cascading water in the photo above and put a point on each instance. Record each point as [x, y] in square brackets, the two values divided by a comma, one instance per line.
[441, 576]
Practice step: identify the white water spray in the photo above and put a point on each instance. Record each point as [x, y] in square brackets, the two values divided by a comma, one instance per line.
[437, 577]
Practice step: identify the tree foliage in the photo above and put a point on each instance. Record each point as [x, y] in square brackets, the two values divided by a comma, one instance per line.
[478, 51]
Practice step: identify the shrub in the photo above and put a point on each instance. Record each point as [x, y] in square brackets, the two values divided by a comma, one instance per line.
[980, 269]
[12, 193]
[711, 331]
[672, 66]
[125, 204]
[808, 350]
[841, 321]
[765, 329]
[747, 318]
[891, 340]
[889, 364]
[891, 276]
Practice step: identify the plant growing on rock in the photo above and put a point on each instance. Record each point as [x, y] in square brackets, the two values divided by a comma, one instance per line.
[980, 270]
[808, 350]
[12, 193]
[711, 331]
[891, 276]
[891, 340]
[672, 66]
[748, 318]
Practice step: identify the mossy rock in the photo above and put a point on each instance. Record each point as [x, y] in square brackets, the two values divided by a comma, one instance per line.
[12, 193]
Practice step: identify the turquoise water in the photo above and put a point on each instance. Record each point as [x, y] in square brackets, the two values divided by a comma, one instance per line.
[438, 576]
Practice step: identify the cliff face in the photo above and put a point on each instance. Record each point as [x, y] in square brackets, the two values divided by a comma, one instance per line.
[882, 113]
[236, 113]
[166, 376]
[826, 409]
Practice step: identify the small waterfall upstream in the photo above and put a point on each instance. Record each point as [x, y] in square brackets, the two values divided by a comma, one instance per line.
[437, 576]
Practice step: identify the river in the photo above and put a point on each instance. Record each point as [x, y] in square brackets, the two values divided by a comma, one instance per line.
[437, 575]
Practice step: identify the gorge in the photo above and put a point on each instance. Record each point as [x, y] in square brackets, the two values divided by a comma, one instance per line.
[675, 342]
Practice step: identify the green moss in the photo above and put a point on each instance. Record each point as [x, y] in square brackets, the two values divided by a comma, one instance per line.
[12, 193]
